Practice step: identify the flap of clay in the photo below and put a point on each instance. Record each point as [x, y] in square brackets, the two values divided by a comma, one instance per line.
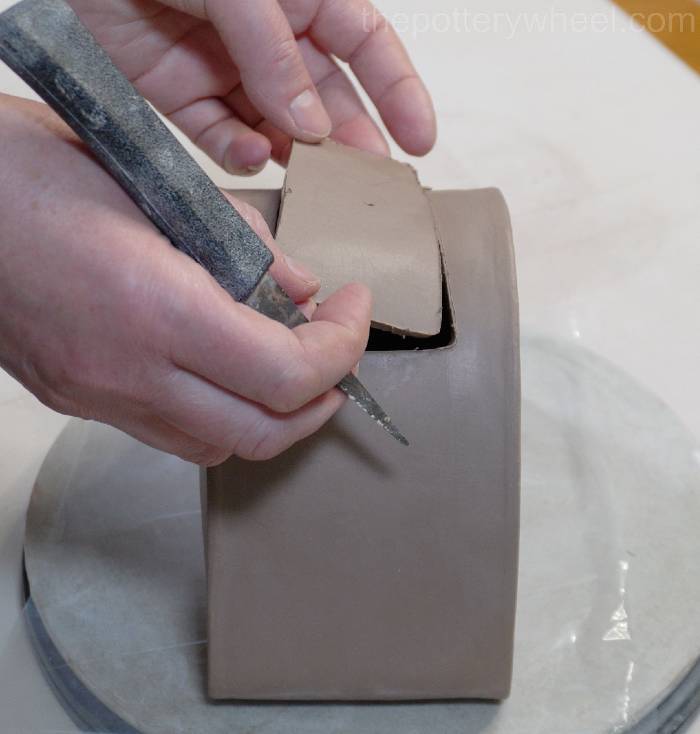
[354, 216]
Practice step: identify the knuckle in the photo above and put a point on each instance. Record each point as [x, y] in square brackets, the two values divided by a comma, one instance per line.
[261, 444]
[144, 289]
[53, 399]
[380, 23]
[296, 385]
[155, 388]
[284, 56]
[57, 385]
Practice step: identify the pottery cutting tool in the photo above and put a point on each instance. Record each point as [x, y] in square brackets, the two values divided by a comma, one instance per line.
[46, 44]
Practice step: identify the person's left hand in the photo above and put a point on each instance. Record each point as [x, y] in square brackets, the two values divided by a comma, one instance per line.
[242, 78]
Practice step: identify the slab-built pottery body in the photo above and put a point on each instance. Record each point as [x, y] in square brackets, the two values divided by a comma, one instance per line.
[353, 568]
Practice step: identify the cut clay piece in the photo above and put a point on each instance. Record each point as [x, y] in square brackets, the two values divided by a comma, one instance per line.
[353, 568]
[373, 218]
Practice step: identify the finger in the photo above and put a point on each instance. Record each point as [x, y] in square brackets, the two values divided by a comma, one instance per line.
[355, 32]
[237, 426]
[228, 141]
[255, 357]
[190, 64]
[351, 122]
[281, 142]
[261, 43]
[319, 336]
[186, 86]
[161, 435]
[352, 125]
[296, 280]
[243, 108]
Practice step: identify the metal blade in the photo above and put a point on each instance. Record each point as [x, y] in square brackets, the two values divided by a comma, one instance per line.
[269, 299]
[359, 395]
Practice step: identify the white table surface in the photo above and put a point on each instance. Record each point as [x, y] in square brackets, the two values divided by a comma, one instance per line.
[591, 133]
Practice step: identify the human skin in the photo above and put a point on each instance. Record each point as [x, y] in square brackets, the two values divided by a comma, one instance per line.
[100, 317]
[243, 77]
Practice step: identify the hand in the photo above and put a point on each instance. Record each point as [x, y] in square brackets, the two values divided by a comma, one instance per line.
[243, 77]
[102, 318]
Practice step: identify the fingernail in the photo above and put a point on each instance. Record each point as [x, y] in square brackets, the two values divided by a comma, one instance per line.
[309, 114]
[230, 166]
[252, 170]
[301, 271]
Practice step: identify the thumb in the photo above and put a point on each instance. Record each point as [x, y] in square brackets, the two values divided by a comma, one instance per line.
[260, 41]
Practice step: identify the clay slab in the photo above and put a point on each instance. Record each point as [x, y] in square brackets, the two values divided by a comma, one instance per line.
[374, 217]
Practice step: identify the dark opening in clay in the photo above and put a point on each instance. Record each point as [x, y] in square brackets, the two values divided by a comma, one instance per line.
[386, 341]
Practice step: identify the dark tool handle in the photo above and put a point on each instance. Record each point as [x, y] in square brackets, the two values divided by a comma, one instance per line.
[45, 43]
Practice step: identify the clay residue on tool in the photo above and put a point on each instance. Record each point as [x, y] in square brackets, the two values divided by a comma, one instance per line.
[354, 216]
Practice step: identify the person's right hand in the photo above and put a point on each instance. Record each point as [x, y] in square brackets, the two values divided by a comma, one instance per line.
[102, 318]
